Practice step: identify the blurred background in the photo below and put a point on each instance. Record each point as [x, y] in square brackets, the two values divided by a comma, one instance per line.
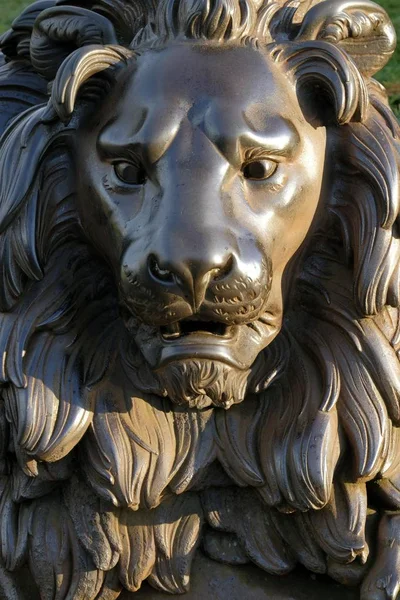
[390, 76]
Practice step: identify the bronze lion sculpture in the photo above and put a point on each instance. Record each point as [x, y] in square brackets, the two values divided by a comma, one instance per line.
[200, 291]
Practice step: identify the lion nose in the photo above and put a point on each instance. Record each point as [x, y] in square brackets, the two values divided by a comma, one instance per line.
[159, 274]
[191, 277]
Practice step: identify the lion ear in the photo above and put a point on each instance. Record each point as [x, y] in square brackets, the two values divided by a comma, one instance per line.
[360, 27]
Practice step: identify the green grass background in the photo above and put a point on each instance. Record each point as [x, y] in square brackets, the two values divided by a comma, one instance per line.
[390, 76]
[9, 10]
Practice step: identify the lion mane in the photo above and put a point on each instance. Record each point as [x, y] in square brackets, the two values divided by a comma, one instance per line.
[125, 483]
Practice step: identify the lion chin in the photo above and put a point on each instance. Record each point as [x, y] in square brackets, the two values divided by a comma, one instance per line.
[201, 384]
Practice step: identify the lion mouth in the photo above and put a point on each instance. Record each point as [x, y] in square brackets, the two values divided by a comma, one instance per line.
[197, 338]
[190, 327]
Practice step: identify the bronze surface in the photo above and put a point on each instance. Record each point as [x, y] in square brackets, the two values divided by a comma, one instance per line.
[199, 301]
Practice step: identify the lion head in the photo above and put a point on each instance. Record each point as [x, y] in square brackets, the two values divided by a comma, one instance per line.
[199, 289]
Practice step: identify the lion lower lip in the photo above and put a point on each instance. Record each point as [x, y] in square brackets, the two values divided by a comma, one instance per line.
[191, 327]
[191, 339]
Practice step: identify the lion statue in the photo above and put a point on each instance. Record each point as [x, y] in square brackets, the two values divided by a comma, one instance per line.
[200, 291]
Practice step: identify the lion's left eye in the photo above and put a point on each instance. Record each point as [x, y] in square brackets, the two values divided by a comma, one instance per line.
[130, 173]
[259, 169]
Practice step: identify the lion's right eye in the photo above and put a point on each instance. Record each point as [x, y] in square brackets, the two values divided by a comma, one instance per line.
[259, 169]
[130, 173]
